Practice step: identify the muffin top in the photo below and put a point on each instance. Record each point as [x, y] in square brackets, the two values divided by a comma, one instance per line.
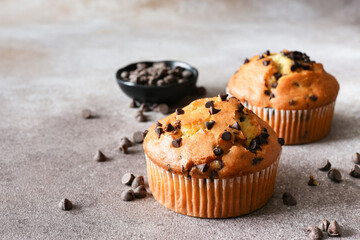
[286, 80]
[212, 138]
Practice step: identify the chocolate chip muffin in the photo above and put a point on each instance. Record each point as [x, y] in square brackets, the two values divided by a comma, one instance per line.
[294, 94]
[212, 159]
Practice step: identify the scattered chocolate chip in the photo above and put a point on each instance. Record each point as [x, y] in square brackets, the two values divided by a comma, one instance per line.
[277, 75]
[202, 167]
[266, 62]
[246, 60]
[100, 157]
[163, 108]
[323, 225]
[267, 92]
[127, 179]
[138, 137]
[291, 102]
[159, 131]
[355, 171]
[256, 160]
[313, 98]
[214, 110]
[140, 117]
[356, 158]
[274, 85]
[123, 148]
[128, 195]
[158, 124]
[334, 175]
[65, 204]
[314, 233]
[86, 113]
[226, 136]
[169, 128]
[140, 191]
[144, 107]
[235, 125]
[288, 199]
[334, 229]
[218, 151]
[125, 141]
[176, 143]
[312, 181]
[133, 104]
[138, 181]
[272, 95]
[325, 165]
[281, 141]
[179, 111]
[223, 97]
[144, 133]
[209, 124]
[209, 104]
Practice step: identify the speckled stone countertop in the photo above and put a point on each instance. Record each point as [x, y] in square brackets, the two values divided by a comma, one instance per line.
[56, 59]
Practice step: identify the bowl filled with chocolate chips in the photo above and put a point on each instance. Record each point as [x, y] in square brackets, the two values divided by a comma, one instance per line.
[159, 81]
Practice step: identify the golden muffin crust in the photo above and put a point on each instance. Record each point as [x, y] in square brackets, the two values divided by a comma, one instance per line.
[212, 138]
[286, 80]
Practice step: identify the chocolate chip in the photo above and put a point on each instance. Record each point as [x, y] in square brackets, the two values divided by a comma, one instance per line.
[220, 163]
[226, 136]
[325, 165]
[140, 192]
[254, 143]
[209, 124]
[65, 204]
[176, 143]
[144, 107]
[125, 141]
[241, 119]
[159, 131]
[267, 52]
[169, 128]
[163, 108]
[288, 199]
[209, 104]
[323, 225]
[355, 171]
[262, 140]
[256, 160]
[140, 117]
[214, 110]
[264, 133]
[186, 74]
[356, 158]
[281, 141]
[124, 74]
[179, 111]
[293, 67]
[272, 95]
[133, 104]
[218, 151]
[296, 84]
[138, 137]
[277, 75]
[261, 57]
[312, 181]
[314, 233]
[202, 167]
[86, 113]
[213, 174]
[334, 229]
[334, 175]
[123, 148]
[291, 102]
[266, 62]
[100, 157]
[314, 98]
[158, 124]
[267, 92]
[274, 85]
[127, 195]
[235, 125]
[241, 108]
[246, 60]
[223, 97]
[144, 133]
[127, 179]
[138, 181]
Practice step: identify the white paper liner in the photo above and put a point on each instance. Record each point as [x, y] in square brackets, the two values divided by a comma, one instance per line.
[218, 198]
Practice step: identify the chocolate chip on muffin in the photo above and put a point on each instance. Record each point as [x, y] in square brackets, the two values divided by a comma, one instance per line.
[281, 141]
[235, 125]
[169, 127]
[266, 62]
[246, 60]
[313, 98]
[179, 111]
[218, 151]
[213, 110]
[256, 160]
[274, 85]
[223, 97]
[202, 167]
[176, 143]
[159, 131]
[209, 124]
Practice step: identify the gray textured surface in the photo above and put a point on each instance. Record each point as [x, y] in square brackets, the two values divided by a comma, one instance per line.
[57, 59]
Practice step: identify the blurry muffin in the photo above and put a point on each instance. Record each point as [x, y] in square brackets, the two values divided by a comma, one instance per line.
[212, 159]
[295, 95]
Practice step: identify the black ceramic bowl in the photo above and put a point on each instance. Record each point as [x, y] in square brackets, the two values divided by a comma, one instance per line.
[158, 94]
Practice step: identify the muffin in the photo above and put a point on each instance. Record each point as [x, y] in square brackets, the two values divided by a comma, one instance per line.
[295, 95]
[212, 159]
